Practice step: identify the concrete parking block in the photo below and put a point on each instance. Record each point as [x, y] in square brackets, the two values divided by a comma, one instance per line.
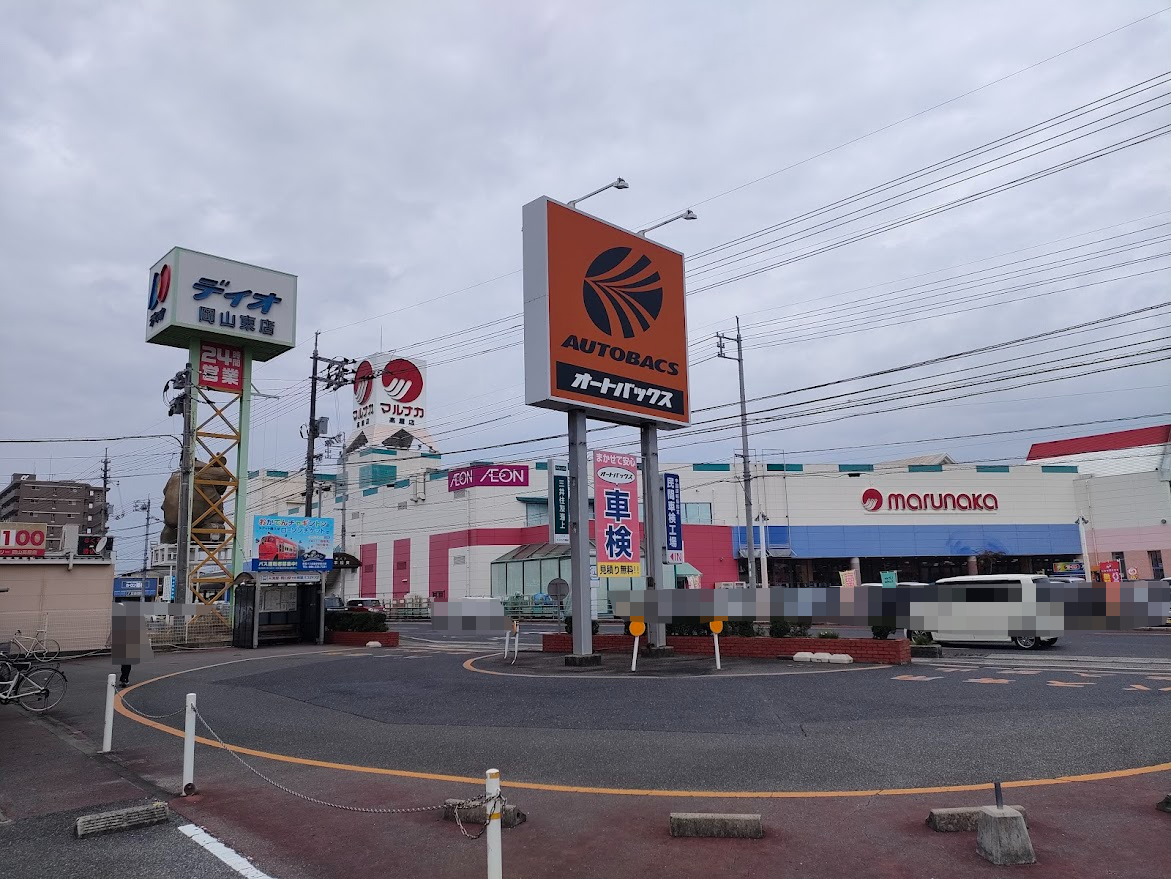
[122, 819]
[510, 815]
[961, 819]
[716, 825]
[1002, 837]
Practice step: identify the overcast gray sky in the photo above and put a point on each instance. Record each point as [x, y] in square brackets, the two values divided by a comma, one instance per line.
[382, 152]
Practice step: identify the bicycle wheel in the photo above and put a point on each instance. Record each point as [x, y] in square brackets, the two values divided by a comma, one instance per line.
[41, 689]
[49, 650]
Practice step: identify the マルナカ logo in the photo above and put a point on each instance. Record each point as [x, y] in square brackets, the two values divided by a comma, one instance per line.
[402, 380]
[623, 292]
[872, 500]
[363, 382]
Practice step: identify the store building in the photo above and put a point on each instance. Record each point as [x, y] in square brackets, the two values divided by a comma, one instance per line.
[1123, 496]
[425, 529]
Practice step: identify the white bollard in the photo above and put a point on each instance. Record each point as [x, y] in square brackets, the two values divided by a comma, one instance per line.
[634, 656]
[716, 641]
[507, 634]
[492, 789]
[516, 643]
[189, 748]
[108, 731]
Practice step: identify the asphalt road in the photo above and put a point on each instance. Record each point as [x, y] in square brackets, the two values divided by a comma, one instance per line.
[863, 728]
[1145, 644]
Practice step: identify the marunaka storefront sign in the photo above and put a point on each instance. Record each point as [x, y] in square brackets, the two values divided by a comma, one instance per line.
[605, 324]
[873, 501]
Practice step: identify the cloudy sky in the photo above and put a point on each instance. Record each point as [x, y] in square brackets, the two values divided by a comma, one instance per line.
[382, 151]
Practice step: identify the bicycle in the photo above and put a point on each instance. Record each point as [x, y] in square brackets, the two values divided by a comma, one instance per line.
[39, 648]
[34, 689]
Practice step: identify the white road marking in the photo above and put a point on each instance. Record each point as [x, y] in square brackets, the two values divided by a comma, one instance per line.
[213, 846]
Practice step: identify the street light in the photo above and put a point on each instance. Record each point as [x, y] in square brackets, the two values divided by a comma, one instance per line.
[688, 214]
[617, 184]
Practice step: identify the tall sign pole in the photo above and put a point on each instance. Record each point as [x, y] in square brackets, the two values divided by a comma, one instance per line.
[605, 338]
[226, 315]
[579, 535]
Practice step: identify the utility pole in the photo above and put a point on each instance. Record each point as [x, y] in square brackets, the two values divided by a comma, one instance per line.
[144, 507]
[311, 433]
[106, 492]
[336, 376]
[749, 524]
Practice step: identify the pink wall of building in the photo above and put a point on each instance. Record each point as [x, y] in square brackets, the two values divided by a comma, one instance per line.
[1135, 544]
[401, 565]
[368, 577]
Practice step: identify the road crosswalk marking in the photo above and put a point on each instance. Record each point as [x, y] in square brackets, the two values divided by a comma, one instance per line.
[987, 681]
[916, 678]
[1072, 684]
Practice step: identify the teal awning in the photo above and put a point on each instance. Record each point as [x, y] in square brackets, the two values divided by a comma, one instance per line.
[685, 570]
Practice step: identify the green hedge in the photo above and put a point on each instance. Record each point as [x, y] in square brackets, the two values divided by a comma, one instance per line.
[354, 621]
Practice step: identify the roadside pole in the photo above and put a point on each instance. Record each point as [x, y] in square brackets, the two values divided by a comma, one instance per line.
[748, 520]
[655, 524]
[579, 534]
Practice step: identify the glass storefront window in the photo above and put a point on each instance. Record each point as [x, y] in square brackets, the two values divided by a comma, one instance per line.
[532, 577]
[550, 570]
[499, 575]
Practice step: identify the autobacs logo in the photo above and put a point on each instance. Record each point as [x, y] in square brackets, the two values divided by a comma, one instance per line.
[872, 501]
[622, 292]
[616, 475]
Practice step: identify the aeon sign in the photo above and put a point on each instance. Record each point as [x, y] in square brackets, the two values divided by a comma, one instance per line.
[932, 501]
[488, 474]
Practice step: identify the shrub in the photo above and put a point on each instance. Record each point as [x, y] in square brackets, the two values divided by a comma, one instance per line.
[798, 630]
[739, 628]
[778, 627]
[595, 628]
[828, 634]
[688, 626]
[351, 621]
[921, 639]
[881, 633]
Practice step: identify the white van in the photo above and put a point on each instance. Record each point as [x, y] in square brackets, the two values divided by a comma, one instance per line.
[990, 608]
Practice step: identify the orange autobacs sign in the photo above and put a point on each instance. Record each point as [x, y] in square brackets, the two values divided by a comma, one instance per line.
[605, 321]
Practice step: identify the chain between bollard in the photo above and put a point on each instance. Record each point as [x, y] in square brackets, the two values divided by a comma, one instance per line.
[373, 810]
[152, 716]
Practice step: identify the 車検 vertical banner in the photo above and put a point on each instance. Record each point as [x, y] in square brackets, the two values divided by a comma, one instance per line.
[617, 531]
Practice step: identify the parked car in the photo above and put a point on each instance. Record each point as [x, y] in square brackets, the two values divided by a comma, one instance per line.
[372, 605]
[334, 602]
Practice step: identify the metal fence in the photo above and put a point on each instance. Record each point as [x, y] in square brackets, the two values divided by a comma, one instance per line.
[85, 631]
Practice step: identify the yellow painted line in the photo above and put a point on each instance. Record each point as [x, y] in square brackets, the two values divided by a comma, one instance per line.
[470, 666]
[629, 792]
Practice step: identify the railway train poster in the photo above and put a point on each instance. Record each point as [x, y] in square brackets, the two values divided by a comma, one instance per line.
[292, 543]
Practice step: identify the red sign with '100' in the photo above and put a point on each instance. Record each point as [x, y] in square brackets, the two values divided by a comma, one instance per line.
[488, 474]
[22, 540]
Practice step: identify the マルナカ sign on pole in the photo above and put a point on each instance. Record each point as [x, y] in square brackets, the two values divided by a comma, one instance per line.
[605, 320]
[617, 532]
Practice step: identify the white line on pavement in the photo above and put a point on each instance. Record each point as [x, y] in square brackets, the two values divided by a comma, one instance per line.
[233, 859]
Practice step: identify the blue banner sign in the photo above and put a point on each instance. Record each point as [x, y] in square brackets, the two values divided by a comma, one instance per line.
[673, 497]
[292, 543]
[136, 587]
